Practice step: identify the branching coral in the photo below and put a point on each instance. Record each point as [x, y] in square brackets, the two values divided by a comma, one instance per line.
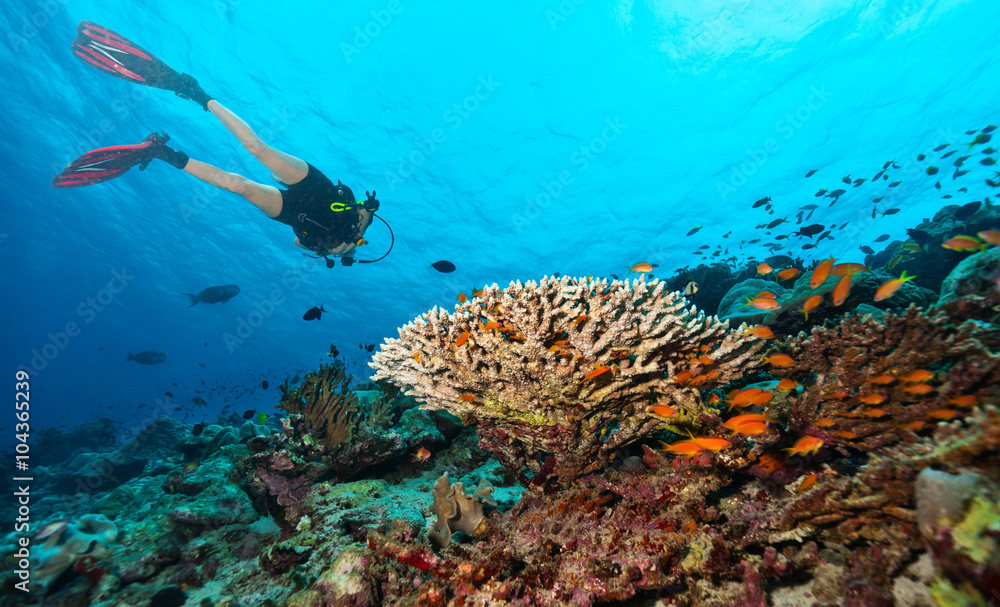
[564, 366]
[855, 374]
[327, 403]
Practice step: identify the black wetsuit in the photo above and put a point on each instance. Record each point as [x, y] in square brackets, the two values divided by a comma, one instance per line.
[305, 206]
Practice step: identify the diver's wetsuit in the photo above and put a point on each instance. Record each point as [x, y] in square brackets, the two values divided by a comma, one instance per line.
[309, 201]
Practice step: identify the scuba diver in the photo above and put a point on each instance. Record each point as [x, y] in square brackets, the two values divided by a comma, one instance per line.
[327, 219]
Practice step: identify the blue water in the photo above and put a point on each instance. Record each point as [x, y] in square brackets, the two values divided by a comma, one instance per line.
[516, 141]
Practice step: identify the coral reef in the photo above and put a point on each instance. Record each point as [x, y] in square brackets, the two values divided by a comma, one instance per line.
[326, 402]
[564, 368]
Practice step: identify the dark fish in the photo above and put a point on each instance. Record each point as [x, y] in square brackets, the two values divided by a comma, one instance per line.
[705, 246]
[987, 151]
[843, 225]
[264, 384]
[920, 237]
[889, 212]
[859, 181]
[148, 358]
[988, 161]
[879, 199]
[198, 429]
[940, 147]
[333, 350]
[443, 266]
[824, 235]
[198, 401]
[820, 193]
[867, 250]
[886, 165]
[810, 231]
[958, 174]
[836, 193]
[877, 175]
[781, 237]
[169, 394]
[693, 231]
[993, 184]
[938, 185]
[811, 173]
[961, 160]
[761, 202]
[894, 184]
[989, 129]
[220, 294]
[249, 413]
[882, 238]
[963, 190]
[921, 156]
[171, 596]
[932, 170]
[894, 165]
[846, 179]
[972, 132]
[314, 313]
[946, 196]
[946, 154]
[967, 210]
[202, 365]
[779, 260]
[980, 139]
[776, 223]
[369, 347]
[810, 207]
[808, 246]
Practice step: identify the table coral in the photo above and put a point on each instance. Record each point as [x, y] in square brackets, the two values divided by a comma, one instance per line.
[564, 366]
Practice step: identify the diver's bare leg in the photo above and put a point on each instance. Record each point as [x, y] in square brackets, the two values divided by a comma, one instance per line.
[264, 197]
[287, 168]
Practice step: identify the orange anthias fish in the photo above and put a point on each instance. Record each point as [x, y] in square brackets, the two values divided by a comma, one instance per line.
[763, 303]
[805, 446]
[714, 399]
[765, 295]
[882, 380]
[787, 385]
[751, 428]
[490, 326]
[889, 287]
[685, 448]
[967, 400]
[811, 304]
[918, 376]
[964, 243]
[824, 422]
[847, 269]
[710, 443]
[422, 455]
[914, 426]
[919, 389]
[872, 399]
[821, 273]
[806, 484]
[464, 337]
[742, 398]
[843, 289]
[760, 331]
[735, 422]
[469, 398]
[600, 370]
[845, 435]
[579, 319]
[788, 273]
[874, 413]
[759, 400]
[662, 411]
[462, 298]
[779, 360]
[763, 268]
[990, 236]
[836, 395]
[642, 268]
[944, 414]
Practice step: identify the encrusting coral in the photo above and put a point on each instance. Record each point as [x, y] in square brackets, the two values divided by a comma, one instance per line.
[565, 367]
